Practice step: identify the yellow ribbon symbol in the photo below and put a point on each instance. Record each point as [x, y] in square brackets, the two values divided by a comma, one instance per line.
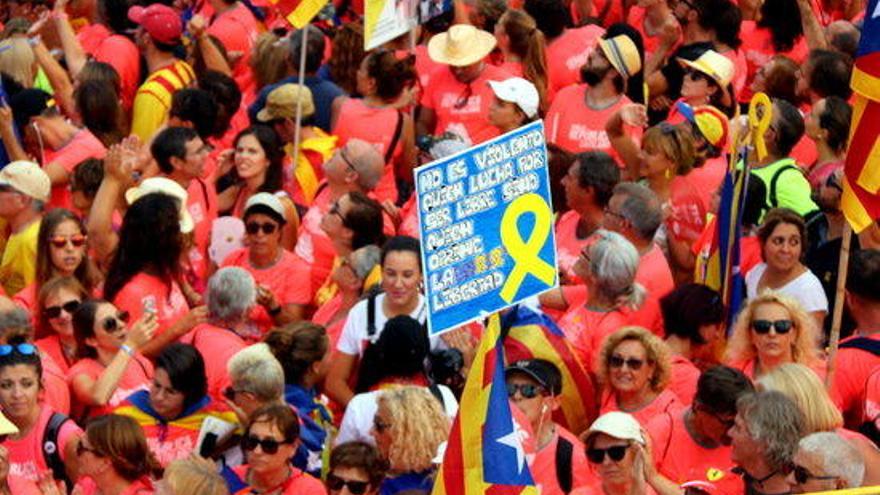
[525, 254]
[758, 125]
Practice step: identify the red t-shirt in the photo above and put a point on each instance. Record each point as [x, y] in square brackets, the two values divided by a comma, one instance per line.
[665, 402]
[872, 398]
[220, 344]
[636, 19]
[143, 486]
[202, 206]
[707, 178]
[852, 370]
[151, 291]
[686, 212]
[758, 49]
[26, 454]
[655, 276]
[740, 67]
[313, 246]
[568, 53]
[683, 379]
[587, 330]
[463, 108]
[56, 393]
[323, 315]
[543, 466]
[568, 245]
[237, 29]
[83, 145]
[424, 65]
[116, 50]
[285, 280]
[137, 376]
[299, 483]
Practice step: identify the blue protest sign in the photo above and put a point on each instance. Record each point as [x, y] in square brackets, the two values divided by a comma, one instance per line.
[486, 227]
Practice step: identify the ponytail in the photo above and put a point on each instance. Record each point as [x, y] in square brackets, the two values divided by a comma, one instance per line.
[529, 44]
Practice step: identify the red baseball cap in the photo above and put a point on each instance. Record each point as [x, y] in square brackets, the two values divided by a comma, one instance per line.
[161, 22]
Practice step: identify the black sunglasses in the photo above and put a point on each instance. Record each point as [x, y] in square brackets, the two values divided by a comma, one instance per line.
[802, 475]
[253, 227]
[55, 311]
[616, 453]
[526, 390]
[269, 445]
[336, 483]
[632, 363]
[113, 324]
[762, 327]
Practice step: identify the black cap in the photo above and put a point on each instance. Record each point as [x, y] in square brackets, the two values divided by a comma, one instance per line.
[27, 104]
[542, 371]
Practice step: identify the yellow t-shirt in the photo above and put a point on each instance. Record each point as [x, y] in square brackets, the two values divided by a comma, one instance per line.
[153, 99]
[18, 268]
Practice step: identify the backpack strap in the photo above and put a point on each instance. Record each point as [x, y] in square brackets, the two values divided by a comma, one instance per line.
[864, 344]
[564, 476]
[51, 449]
[395, 137]
[436, 392]
[774, 202]
[371, 316]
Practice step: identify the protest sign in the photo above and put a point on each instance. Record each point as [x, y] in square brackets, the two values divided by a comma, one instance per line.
[486, 227]
[385, 20]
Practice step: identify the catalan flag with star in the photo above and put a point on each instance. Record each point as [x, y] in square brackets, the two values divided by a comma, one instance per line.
[861, 188]
[486, 452]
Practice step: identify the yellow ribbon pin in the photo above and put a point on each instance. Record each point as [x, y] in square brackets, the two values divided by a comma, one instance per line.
[525, 254]
[758, 125]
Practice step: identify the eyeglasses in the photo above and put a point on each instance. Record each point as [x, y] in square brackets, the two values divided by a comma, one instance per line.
[802, 475]
[762, 327]
[113, 324]
[82, 449]
[379, 426]
[619, 361]
[346, 160]
[464, 97]
[334, 210]
[336, 483]
[696, 75]
[526, 390]
[25, 349]
[616, 453]
[585, 254]
[76, 240]
[253, 228]
[727, 423]
[609, 211]
[55, 311]
[269, 445]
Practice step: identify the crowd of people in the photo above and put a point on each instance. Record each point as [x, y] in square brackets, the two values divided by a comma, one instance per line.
[211, 274]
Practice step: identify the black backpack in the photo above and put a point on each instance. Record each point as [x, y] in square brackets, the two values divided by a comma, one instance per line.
[51, 449]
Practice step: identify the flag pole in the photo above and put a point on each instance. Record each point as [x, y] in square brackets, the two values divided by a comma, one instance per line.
[839, 301]
[301, 78]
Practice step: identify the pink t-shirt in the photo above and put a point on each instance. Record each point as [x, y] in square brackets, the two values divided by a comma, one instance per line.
[56, 393]
[568, 53]
[220, 344]
[83, 145]
[683, 379]
[313, 246]
[116, 50]
[26, 454]
[543, 466]
[136, 377]
[237, 29]
[758, 49]
[569, 245]
[149, 291]
[665, 402]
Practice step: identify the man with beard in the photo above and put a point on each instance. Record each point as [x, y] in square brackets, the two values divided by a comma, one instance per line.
[576, 119]
[157, 36]
[693, 444]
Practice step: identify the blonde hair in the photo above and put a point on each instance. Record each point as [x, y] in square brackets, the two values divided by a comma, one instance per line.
[194, 475]
[656, 352]
[740, 346]
[17, 60]
[269, 59]
[418, 426]
[675, 144]
[801, 384]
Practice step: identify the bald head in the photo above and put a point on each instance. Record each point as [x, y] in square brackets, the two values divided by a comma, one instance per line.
[366, 161]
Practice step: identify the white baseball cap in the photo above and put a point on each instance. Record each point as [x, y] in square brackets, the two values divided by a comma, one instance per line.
[164, 185]
[519, 91]
[619, 425]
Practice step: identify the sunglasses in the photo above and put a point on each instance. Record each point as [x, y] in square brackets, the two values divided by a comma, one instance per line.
[25, 349]
[526, 390]
[802, 475]
[336, 483]
[60, 241]
[113, 324]
[379, 426]
[696, 75]
[55, 311]
[269, 445]
[762, 327]
[616, 454]
[632, 363]
[253, 227]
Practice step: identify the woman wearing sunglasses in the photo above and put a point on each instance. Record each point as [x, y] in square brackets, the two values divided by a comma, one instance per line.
[114, 458]
[408, 427]
[356, 468]
[21, 371]
[803, 387]
[61, 252]
[281, 293]
[634, 368]
[783, 237]
[57, 301]
[615, 449]
[109, 367]
[172, 410]
[269, 442]
[773, 329]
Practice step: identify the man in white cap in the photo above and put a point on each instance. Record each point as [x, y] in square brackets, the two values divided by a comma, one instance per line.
[24, 190]
[576, 119]
[458, 100]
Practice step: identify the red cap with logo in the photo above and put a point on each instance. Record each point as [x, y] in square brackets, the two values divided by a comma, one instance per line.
[161, 22]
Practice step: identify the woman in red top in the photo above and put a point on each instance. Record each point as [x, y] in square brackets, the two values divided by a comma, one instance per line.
[384, 79]
[634, 367]
[58, 300]
[114, 458]
[524, 49]
[827, 125]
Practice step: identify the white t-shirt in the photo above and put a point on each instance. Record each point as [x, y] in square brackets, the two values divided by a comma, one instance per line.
[353, 339]
[358, 419]
[806, 288]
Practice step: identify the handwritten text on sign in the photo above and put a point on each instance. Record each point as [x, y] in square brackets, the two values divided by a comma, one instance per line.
[486, 227]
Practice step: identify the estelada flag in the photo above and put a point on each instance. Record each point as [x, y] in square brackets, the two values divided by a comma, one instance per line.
[487, 450]
[860, 201]
[530, 334]
[298, 12]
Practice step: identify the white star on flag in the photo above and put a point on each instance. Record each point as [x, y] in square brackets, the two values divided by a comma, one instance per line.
[515, 439]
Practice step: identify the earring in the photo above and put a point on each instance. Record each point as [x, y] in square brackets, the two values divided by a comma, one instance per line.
[668, 173]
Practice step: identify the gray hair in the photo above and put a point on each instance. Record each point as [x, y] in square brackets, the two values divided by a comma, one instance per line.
[231, 293]
[255, 369]
[15, 319]
[775, 421]
[614, 262]
[363, 260]
[366, 160]
[839, 457]
[640, 207]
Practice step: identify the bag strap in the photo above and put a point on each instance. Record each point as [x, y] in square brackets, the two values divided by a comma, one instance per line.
[864, 344]
[436, 392]
[51, 449]
[564, 476]
[390, 151]
[775, 178]
[371, 316]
